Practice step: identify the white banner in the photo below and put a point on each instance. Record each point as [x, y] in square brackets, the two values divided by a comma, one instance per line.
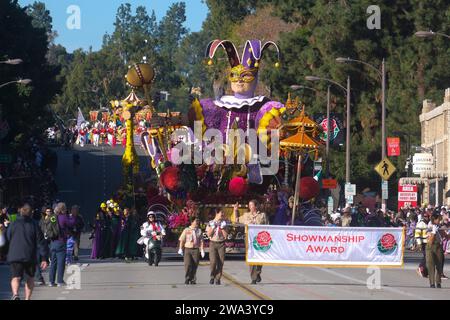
[324, 246]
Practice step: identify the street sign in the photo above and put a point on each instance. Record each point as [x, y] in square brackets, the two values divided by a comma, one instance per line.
[385, 168]
[384, 189]
[5, 158]
[422, 168]
[407, 196]
[349, 199]
[423, 163]
[329, 183]
[393, 147]
[423, 158]
[350, 190]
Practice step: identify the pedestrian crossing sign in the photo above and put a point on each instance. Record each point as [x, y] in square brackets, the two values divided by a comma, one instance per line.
[385, 168]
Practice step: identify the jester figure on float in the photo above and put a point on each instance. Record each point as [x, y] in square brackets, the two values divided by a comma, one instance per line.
[244, 109]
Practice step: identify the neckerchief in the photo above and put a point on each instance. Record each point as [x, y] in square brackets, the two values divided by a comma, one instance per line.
[155, 227]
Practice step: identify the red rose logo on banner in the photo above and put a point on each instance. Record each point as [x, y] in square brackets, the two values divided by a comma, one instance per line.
[263, 241]
[387, 244]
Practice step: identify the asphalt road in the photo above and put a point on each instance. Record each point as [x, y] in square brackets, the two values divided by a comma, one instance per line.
[98, 177]
[113, 279]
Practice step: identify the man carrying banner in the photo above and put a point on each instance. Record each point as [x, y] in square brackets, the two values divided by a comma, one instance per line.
[252, 217]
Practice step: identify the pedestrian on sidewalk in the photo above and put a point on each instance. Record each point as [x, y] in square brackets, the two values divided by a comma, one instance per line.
[191, 248]
[25, 238]
[217, 232]
[253, 216]
[58, 245]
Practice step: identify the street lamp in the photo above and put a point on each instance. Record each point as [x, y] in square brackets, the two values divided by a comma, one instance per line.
[347, 91]
[298, 87]
[21, 81]
[12, 61]
[429, 34]
[382, 75]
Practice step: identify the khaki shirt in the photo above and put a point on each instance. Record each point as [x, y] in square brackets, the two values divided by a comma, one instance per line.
[217, 235]
[249, 218]
[192, 238]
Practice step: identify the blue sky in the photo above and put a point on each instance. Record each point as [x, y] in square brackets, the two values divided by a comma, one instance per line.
[98, 16]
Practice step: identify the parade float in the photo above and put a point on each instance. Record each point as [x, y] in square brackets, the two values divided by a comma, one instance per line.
[250, 134]
[195, 188]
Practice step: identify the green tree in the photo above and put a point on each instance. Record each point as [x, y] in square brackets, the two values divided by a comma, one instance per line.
[25, 108]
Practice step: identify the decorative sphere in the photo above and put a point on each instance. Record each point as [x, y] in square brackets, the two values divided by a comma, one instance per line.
[238, 186]
[140, 74]
[277, 65]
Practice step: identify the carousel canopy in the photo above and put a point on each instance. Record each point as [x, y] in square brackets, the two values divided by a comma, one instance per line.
[300, 140]
[132, 98]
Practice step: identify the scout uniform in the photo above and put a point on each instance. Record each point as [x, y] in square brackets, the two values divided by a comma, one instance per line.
[192, 240]
[434, 256]
[250, 218]
[216, 249]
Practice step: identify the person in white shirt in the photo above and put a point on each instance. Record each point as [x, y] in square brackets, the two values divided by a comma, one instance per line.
[152, 233]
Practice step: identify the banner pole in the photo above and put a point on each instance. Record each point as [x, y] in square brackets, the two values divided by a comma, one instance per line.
[297, 187]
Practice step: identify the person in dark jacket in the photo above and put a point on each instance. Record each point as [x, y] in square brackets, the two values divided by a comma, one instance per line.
[25, 238]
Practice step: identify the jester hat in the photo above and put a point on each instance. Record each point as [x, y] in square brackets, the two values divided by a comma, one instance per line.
[251, 56]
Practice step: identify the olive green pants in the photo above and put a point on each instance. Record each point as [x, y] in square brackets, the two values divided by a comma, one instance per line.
[255, 272]
[216, 258]
[191, 261]
[434, 256]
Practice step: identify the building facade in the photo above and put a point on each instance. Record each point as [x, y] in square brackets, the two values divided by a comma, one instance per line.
[435, 131]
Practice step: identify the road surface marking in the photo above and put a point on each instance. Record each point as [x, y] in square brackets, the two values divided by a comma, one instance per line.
[247, 289]
[416, 297]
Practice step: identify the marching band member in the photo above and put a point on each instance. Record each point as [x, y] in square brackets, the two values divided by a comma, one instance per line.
[111, 134]
[82, 135]
[102, 133]
[96, 134]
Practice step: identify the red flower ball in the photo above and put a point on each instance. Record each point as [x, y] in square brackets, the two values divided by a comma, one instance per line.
[170, 178]
[309, 188]
[238, 186]
[263, 238]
